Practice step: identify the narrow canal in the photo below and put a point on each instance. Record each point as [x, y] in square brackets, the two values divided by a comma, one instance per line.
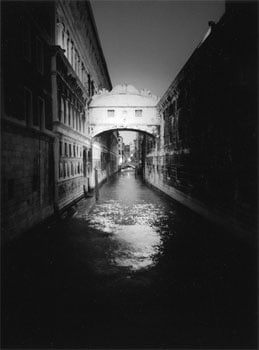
[137, 272]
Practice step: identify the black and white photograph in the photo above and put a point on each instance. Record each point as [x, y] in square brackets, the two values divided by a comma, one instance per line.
[129, 183]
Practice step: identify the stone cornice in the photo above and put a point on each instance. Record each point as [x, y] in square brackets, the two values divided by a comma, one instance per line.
[66, 131]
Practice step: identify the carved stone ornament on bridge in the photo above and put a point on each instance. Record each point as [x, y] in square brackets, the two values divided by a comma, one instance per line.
[126, 89]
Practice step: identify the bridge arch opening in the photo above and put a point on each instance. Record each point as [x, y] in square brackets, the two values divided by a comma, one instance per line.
[123, 109]
[101, 133]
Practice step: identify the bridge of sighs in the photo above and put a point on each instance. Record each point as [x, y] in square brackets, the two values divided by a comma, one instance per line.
[124, 108]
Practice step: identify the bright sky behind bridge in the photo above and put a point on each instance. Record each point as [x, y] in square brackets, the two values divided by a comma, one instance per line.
[146, 43]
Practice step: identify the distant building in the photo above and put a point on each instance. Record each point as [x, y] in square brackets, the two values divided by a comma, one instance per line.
[139, 148]
[127, 153]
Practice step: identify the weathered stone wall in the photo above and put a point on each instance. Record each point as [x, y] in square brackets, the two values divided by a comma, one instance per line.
[27, 180]
[27, 166]
[208, 158]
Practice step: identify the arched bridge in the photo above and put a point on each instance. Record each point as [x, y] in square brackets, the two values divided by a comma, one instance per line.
[124, 108]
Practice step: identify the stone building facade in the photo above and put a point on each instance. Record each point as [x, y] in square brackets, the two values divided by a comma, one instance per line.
[52, 64]
[105, 158]
[120, 149]
[78, 72]
[27, 171]
[208, 151]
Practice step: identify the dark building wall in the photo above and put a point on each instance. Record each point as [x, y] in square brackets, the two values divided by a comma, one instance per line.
[210, 121]
[26, 118]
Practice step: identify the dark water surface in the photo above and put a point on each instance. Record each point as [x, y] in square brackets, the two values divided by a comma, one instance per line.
[138, 271]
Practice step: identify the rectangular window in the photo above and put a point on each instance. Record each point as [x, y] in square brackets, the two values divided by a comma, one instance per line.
[84, 126]
[138, 112]
[27, 41]
[70, 150]
[60, 148]
[41, 114]
[27, 106]
[111, 113]
[65, 149]
[39, 56]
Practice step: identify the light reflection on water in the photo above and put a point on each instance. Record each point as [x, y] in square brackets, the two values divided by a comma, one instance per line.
[136, 227]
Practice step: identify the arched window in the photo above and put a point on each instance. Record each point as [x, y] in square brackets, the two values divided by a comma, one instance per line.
[79, 122]
[62, 109]
[70, 114]
[67, 112]
[83, 122]
[84, 162]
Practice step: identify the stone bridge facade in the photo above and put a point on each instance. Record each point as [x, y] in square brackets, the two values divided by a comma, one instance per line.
[124, 108]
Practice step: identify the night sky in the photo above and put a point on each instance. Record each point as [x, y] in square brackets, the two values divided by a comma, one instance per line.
[146, 43]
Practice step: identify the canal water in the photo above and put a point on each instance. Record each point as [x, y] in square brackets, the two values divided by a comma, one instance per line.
[133, 221]
[138, 271]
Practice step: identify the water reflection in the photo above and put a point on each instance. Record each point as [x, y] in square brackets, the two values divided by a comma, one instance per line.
[138, 245]
[135, 227]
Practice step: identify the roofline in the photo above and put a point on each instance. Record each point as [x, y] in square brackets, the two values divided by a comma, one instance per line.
[190, 58]
[98, 41]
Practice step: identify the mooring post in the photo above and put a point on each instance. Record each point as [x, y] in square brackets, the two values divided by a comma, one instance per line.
[96, 184]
